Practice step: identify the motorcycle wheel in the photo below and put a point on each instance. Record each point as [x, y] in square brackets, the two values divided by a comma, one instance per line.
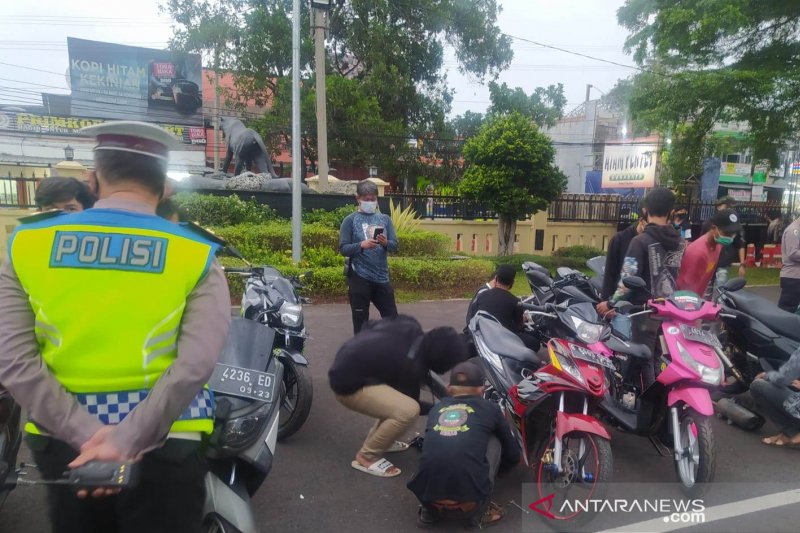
[598, 467]
[297, 391]
[214, 523]
[696, 467]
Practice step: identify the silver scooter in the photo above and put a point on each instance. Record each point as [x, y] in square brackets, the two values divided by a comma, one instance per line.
[246, 386]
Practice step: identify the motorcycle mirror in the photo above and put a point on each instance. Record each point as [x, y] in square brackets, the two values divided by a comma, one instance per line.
[635, 283]
[232, 250]
[735, 284]
[307, 275]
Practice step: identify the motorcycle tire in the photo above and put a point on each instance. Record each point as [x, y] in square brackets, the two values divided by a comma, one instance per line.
[695, 484]
[297, 391]
[604, 466]
[214, 523]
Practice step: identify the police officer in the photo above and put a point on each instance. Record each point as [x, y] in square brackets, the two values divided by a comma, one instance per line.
[113, 320]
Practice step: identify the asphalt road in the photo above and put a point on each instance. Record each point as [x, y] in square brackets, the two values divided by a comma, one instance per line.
[313, 488]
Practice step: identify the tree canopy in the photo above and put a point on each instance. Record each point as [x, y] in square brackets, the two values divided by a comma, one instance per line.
[510, 167]
[390, 52]
[715, 61]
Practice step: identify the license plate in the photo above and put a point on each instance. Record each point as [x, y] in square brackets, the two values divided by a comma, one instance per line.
[579, 352]
[700, 335]
[243, 382]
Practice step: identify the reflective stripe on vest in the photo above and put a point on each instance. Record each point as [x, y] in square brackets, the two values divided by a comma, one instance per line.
[132, 274]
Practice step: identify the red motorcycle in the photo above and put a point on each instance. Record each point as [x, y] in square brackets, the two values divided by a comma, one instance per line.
[550, 407]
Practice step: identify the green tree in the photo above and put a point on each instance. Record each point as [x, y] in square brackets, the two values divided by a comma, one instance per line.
[716, 61]
[545, 105]
[392, 49]
[510, 167]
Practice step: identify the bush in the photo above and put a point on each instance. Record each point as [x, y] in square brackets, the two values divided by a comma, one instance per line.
[423, 244]
[549, 262]
[276, 237]
[211, 210]
[579, 251]
[438, 274]
[329, 219]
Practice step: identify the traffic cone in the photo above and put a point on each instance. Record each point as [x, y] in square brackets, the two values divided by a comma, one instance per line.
[777, 257]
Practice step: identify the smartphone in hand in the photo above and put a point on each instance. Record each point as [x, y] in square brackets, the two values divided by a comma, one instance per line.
[378, 231]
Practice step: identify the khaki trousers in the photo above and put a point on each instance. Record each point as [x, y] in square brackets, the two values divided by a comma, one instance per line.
[395, 412]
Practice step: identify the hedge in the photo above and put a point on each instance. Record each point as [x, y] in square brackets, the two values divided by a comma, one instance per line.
[437, 276]
[208, 210]
[549, 262]
[275, 237]
[579, 251]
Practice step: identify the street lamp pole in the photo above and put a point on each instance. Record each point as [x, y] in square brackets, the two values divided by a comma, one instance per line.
[320, 10]
[297, 163]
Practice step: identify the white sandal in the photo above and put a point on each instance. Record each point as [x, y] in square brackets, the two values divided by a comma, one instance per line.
[379, 468]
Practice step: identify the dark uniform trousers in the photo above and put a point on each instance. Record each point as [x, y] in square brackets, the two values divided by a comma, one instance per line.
[169, 497]
[362, 292]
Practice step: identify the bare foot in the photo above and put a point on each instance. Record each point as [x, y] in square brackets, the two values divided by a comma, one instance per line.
[774, 439]
[367, 463]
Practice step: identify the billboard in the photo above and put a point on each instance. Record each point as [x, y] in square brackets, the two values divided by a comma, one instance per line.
[11, 120]
[130, 83]
[629, 166]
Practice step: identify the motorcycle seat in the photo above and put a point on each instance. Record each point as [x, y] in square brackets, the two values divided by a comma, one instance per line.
[504, 342]
[775, 318]
[633, 349]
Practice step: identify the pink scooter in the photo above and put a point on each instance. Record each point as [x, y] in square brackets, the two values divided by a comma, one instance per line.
[678, 402]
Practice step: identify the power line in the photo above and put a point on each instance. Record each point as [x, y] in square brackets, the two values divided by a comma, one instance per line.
[632, 67]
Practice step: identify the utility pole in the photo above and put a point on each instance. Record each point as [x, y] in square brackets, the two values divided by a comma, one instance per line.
[297, 164]
[320, 25]
[216, 111]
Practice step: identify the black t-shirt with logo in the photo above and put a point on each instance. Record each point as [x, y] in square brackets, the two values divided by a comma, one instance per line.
[453, 465]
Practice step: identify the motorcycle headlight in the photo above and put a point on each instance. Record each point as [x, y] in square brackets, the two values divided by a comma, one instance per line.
[291, 314]
[241, 432]
[711, 376]
[562, 360]
[586, 331]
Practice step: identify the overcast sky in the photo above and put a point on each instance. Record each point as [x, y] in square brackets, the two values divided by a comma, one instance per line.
[33, 34]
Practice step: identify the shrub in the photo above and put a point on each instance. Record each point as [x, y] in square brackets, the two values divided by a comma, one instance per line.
[210, 210]
[403, 220]
[423, 244]
[329, 219]
[438, 274]
[579, 251]
[549, 262]
[276, 237]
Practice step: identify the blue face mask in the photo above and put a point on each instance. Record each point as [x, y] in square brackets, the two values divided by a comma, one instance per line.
[368, 207]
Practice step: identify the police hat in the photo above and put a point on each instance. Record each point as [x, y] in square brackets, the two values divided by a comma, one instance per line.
[132, 136]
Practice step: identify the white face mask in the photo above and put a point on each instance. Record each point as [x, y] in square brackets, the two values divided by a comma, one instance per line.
[369, 207]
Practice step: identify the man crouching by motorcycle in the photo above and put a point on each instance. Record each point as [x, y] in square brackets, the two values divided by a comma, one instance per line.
[467, 441]
[379, 373]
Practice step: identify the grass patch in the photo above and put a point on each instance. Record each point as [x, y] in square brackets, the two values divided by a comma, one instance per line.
[759, 276]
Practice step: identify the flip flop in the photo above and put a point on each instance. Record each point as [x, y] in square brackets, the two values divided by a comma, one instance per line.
[786, 444]
[398, 446]
[771, 441]
[379, 468]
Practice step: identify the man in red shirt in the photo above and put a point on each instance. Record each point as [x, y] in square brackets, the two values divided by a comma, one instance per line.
[701, 257]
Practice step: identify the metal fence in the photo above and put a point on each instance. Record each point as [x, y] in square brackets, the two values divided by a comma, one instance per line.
[18, 191]
[441, 206]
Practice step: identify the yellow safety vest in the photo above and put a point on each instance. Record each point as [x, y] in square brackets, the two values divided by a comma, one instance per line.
[109, 289]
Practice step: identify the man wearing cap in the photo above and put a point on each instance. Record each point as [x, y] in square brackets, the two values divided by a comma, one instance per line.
[467, 441]
[702, 256]
[790, 271]
[730, 253]
[113, 320]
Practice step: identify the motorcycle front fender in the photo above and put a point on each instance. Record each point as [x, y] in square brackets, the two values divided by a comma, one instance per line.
[571, 422]
[225, 502]
[697, 398]
[284, 354]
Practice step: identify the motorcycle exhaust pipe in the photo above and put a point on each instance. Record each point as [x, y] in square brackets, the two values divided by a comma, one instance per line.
[738, 415]
[735, 371]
